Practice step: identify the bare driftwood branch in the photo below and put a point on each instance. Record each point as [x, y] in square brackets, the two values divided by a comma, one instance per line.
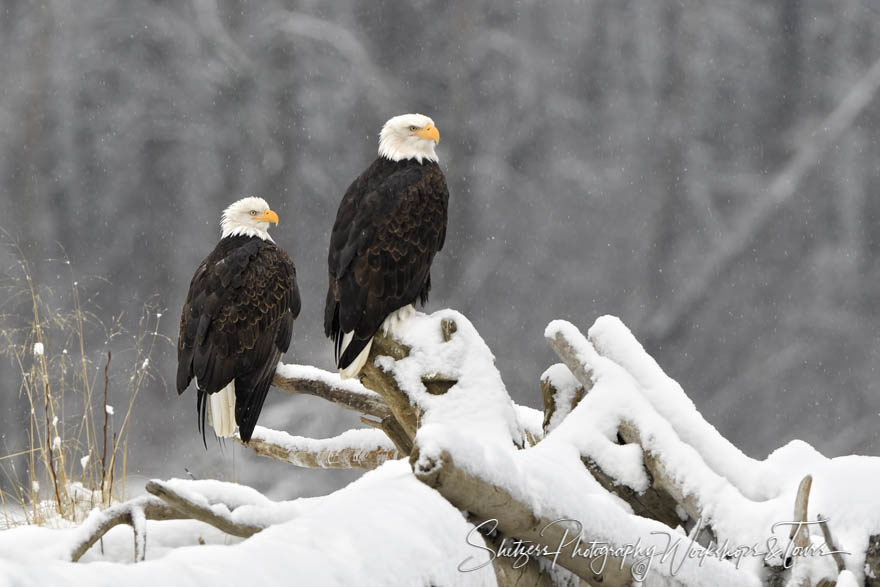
[490, 502]
[132, 512]
[515, 572]
[663, 484]
[312, 457]
[199, 512]
[800, 534]
[566, 352]
[658, 501]
[654, 503]
[365, 403]
[448, 327]
[376, 379]
[832, 546]
[557, 404]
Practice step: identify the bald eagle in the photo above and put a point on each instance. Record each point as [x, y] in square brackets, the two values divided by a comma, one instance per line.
[237, 320]
[390, 224]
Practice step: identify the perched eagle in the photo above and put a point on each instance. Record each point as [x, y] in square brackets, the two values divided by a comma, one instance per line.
[390, 224]
[237, 320]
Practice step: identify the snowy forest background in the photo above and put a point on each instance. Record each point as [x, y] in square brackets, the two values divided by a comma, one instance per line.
[599, 154]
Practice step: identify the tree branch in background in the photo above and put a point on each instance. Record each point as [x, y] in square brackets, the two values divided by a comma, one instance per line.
[697, 289]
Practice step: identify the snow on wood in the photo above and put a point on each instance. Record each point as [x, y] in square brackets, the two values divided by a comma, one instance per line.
[347, 393]
[620, 461]
[612, 339]
[477, 401]
[365, 449]
[561, 392]
[408, 535]
[71, 544]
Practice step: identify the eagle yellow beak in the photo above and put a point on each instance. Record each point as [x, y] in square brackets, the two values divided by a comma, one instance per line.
[269, 216]
[429, 132]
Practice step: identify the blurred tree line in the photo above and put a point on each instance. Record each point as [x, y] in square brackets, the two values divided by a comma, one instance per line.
[599, 153]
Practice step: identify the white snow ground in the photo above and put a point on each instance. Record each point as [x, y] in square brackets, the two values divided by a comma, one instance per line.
[386, 528]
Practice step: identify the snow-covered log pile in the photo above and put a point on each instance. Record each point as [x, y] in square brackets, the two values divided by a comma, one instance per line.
[618, 481]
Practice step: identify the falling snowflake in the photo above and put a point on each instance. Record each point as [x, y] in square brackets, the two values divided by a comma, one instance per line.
[109, 409]
[38, 349]
[84, 461]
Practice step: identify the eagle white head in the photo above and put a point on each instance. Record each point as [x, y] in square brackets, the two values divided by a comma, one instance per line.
[409, 136]
[248, 217]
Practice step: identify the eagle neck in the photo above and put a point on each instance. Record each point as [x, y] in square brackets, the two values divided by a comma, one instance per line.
[250, 231]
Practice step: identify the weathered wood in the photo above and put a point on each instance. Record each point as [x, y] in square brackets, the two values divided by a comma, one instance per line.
[514, 572]
[448, 327]
[397, 434]
[553, 401]
[832, 546]
[100, 522]
[437, 384]
[199, 512]
[346, 458]
[376, 379]
[653, 503]
[663, 485]
[514, 518]
[661, 481]
[365, 404]
[567, 354]
[800, 533]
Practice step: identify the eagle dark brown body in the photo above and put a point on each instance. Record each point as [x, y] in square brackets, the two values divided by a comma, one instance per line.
[236, 324]
[390, 224]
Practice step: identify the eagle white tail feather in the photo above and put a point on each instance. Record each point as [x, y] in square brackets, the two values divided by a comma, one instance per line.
[355, 366]
[222, 411]
[390, 326]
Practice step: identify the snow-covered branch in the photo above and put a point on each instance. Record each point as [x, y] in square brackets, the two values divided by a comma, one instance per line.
[134, 513]
[619, 465]
[347, 393]
[377, 379]
[195, 506]
[657, 499]
[561, 393]
[361, 449]
[501, 510]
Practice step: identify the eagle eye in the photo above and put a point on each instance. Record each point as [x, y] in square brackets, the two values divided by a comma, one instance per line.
[413, 128]
[253, 212]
